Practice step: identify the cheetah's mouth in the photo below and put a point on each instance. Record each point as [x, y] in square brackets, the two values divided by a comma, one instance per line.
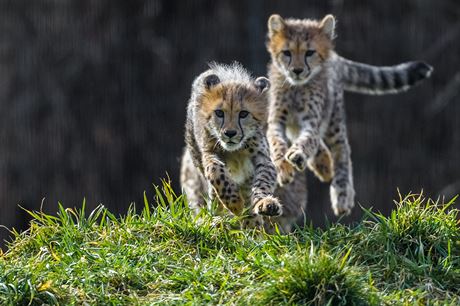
[231, 145]
[299, 79]
[303, 78]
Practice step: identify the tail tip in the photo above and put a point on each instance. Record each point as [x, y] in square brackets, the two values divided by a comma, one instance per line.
[419, 71]
[423, 69]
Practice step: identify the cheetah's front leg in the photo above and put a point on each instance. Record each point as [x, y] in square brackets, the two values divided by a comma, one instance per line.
[264, 182]
[304, 148]
[278, 147]
[306, 145]
[223, 187]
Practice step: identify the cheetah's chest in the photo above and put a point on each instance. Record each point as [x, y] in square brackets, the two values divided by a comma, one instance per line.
[297, 100]
[240, 167]
[292, 129]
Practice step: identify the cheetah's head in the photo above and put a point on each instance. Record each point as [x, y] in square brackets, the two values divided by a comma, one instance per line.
[234, 111]
[299, 48]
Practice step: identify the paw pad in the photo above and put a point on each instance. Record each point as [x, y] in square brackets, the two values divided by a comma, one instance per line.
[297, 158]
[269, 206]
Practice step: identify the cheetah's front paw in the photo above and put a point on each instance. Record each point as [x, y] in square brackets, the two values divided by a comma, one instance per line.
[268, 206]
[285, 172]
[297, 158]
[342, 199]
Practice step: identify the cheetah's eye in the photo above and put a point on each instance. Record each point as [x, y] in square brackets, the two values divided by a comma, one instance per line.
[244, 114]
[287, 53]
[309, 53]
[219, 113]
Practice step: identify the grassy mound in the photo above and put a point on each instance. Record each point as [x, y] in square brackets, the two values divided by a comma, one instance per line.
[165, 256]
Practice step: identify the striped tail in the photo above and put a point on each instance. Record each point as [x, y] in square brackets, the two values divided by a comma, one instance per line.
[363, 78]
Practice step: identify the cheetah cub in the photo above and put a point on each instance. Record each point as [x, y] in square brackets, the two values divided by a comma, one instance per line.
[306, 121]
[226, 155]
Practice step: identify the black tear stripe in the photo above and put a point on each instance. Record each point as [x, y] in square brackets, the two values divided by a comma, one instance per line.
[241, 128]
[280, 55]
[222, 122]
[306, 64]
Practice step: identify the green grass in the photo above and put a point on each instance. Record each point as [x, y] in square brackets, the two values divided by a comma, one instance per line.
[165, 256]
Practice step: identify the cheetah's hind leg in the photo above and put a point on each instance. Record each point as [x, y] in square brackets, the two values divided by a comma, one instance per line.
[322, 164]
[193, 184]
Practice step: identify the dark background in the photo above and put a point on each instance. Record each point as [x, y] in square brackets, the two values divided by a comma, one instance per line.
[93, 95]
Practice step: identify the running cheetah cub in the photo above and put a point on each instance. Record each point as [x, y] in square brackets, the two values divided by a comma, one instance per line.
[306, 122]
[227, 155]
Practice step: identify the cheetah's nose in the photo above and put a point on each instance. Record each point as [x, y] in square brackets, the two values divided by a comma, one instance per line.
[297, 70]
[230, 133]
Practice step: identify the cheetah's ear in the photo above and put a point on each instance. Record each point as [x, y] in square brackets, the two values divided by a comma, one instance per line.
[211, 81]
[327, 25]
[275, 24]
[262, 84]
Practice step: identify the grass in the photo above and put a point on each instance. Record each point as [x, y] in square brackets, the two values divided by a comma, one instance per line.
[163, 255]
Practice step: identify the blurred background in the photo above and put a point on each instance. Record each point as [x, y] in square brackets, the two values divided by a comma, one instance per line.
[93, 96]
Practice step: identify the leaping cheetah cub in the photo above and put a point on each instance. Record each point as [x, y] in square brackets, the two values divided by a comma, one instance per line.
[306, 122]
[227, 155]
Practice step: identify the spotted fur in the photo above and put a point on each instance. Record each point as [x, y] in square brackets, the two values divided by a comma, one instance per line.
[306, 121]
[227, 157]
